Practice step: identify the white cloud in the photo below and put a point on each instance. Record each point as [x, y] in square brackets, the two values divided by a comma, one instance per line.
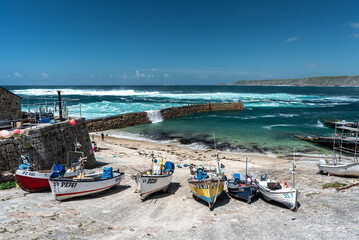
[153, 69]
[355, 35]
[45, 75]
[139, 75]
[292, 39]
[203, 76]
[354, 25]
[124, 75]
[165, 75]
[110, 76]
[17, 75]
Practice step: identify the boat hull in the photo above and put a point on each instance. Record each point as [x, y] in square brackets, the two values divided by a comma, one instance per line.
[207, 190]
[35, 181]
[286, 196]
[245, 192]
[63, 189]
[341, 169]
[148, 184]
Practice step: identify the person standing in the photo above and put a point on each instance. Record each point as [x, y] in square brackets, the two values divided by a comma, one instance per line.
[102, 136]
[93, 137]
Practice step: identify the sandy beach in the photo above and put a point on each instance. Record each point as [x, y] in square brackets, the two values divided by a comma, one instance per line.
[120, 214]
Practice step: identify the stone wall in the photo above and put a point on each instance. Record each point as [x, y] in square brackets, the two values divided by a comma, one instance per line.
[131, 119]
[10, 105]
[176, 112]
[46, 145]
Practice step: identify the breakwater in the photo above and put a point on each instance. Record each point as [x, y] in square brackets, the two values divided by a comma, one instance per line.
[46, 145]
[132, 119]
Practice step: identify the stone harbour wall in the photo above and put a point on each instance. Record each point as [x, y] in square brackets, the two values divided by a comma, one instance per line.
[46, 145]
[132, 119]
[176, 112]
[10, 106]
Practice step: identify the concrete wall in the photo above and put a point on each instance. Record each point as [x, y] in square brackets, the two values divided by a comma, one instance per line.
[46, 145]
[131, 119]
[10, 105]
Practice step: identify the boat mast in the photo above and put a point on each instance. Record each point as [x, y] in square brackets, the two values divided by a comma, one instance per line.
[246, 170]
[292, 170]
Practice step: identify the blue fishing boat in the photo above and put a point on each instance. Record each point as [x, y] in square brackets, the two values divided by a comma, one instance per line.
[242, 189]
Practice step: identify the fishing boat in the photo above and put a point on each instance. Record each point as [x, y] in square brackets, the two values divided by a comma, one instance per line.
[333, 124]
[242, 189]
[64, 188]
[31, 180]
[279, 192]
[344, 160]
[207, 184]
[158, 178]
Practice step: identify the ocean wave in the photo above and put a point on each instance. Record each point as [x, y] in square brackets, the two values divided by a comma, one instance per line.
[269, 127]
[288, 115]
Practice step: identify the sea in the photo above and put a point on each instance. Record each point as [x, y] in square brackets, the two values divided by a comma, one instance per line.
[272, 119]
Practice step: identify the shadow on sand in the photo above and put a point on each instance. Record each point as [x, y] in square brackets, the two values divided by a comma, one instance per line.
[253, 200]
[172, 189]
[109, 192]
[222, 200]
[277, 204]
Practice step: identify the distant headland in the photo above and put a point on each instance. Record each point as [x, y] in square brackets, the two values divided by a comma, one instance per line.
[330, 81]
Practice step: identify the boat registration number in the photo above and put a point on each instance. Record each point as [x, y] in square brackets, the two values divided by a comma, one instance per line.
[65, 184]
[288, 195]
[149, 181]
[26, 173]
[205, 185]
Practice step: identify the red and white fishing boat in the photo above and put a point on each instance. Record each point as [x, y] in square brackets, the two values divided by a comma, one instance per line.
[65, 188]
[31, 180]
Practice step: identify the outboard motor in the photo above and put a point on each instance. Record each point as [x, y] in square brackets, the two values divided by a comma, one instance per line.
[263, 177]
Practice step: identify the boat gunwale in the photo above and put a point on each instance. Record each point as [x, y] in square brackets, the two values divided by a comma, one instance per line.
[86, 180]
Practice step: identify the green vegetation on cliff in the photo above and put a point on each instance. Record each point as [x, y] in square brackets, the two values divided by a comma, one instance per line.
[332, 81]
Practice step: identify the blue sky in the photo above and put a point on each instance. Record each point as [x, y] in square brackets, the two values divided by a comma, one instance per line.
[175, 42]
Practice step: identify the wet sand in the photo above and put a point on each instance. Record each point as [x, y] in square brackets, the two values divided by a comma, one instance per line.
[119, 213]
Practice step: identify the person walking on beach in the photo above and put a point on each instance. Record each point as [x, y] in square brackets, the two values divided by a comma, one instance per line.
[102, 136]
[93, 137]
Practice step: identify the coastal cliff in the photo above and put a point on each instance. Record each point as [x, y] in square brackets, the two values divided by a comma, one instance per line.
[331, 81]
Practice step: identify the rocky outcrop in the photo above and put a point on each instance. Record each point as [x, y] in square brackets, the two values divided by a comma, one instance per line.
[131, 119]
[46, 145]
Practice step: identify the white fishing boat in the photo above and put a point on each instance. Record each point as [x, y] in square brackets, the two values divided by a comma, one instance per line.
[275, 191]
[345, 158]
[339, 168]
[65, 188]
[158, 178]
[279, 192]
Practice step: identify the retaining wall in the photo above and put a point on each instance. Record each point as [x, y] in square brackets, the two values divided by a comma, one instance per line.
[46, 145]
[131, 119]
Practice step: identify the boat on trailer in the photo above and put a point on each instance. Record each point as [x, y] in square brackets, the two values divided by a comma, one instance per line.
[207, 184]
[31, 180]
[344, 160]
[279, 192]
[156, 179]
[64, 188]
[242, 189]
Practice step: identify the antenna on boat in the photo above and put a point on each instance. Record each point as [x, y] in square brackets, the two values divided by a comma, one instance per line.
[215, 149]
[246, 170]
[153, 157]
[293, 169]
[214, 141]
